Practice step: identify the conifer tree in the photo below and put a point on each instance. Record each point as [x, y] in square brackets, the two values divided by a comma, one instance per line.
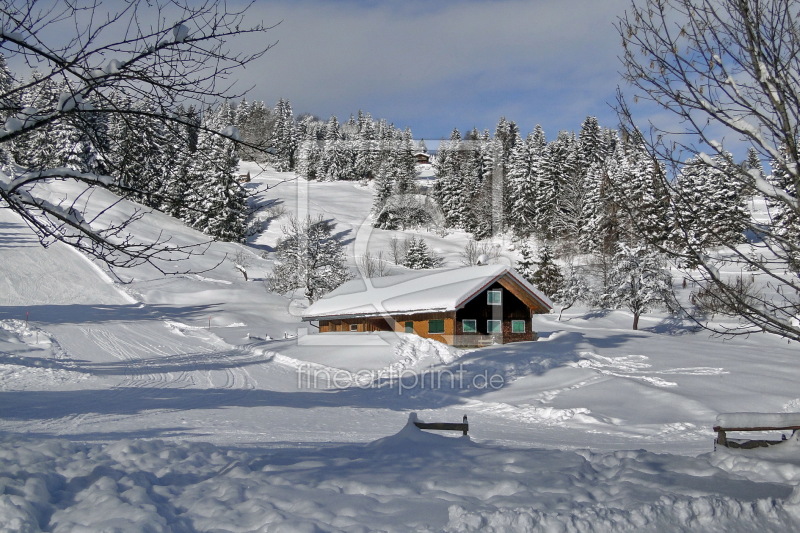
[309, 156]
[557, 165]
[216, 203]
[526, 266]
[284, 139]
[138, 156]
[711, 211]
[384, 186]
[367, 161]
[36, 149]
[547, 277]
[418, 256]
[403, 165]
[337, 159]
[524, 169]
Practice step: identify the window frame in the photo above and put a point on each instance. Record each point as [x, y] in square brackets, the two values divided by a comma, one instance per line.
[489, 329]
[464, 325]
[408, 326]
[498, 292]
[516, 322]
[430, 321]
[353, 327]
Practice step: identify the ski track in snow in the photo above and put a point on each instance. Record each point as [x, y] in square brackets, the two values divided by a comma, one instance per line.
[636, 367]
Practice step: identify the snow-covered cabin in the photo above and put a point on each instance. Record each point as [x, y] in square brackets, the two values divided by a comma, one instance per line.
[422, 158]
[463, 306]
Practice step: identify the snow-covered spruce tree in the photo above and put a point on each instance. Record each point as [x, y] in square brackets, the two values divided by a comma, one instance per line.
[506, 134]
[726, 71]
[367, 163]
[641, 199]
[526, 265]
[639, 280]
[600, 231]
[786, 219]
[337, 158]
[256, 123]
[523, 175]
[36, 148]
[180, 56]
[178, 153]
[7, 103]
[418, 256]
[216, 202]
[384, 186]
[557, 165]
[309, 156]
[711, 211]
[403, 164]
[450, 190]
[284, 139]
[547, 277]
[139, 156]
[309, 257]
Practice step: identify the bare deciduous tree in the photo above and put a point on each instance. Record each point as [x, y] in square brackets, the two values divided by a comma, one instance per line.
[373, 266]
[161, 53]
[479, 252]
[729, 72]
[241, 260]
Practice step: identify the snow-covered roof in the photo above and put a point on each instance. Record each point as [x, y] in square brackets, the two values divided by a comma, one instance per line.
[418, 292]
[757, 420]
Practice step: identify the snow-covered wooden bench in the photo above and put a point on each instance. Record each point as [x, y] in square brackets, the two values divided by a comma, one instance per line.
[727, 422]
[442, 426]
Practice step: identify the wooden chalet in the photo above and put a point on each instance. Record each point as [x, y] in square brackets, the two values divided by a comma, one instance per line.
[468, 306]
[422, 158]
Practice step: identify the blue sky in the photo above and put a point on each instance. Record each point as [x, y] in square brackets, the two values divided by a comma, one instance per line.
[432, 66]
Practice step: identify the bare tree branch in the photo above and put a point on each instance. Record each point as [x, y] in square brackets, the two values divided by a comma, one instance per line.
[728, 71]
[160, 53]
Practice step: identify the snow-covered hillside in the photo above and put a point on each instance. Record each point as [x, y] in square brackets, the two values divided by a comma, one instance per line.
[134, 402]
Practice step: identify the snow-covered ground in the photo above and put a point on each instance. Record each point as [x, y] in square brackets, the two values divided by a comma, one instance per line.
[141, 403]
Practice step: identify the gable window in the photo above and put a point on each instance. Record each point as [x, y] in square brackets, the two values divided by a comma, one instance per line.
[517, 326]
[494, 326]
[494, 297]
[435, 326]
[469, 326]
[353, 327]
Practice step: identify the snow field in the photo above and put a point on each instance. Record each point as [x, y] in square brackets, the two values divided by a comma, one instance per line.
[413, 480]
[175, 412]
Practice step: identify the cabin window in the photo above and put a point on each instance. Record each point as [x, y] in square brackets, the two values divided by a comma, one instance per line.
[469, 326]
[353, 327]
[409, 327]
[494, 326]
[517, 326]
[435, 326]
[494, 297]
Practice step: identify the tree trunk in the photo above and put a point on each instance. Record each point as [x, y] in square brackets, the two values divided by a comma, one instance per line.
[635, 321]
